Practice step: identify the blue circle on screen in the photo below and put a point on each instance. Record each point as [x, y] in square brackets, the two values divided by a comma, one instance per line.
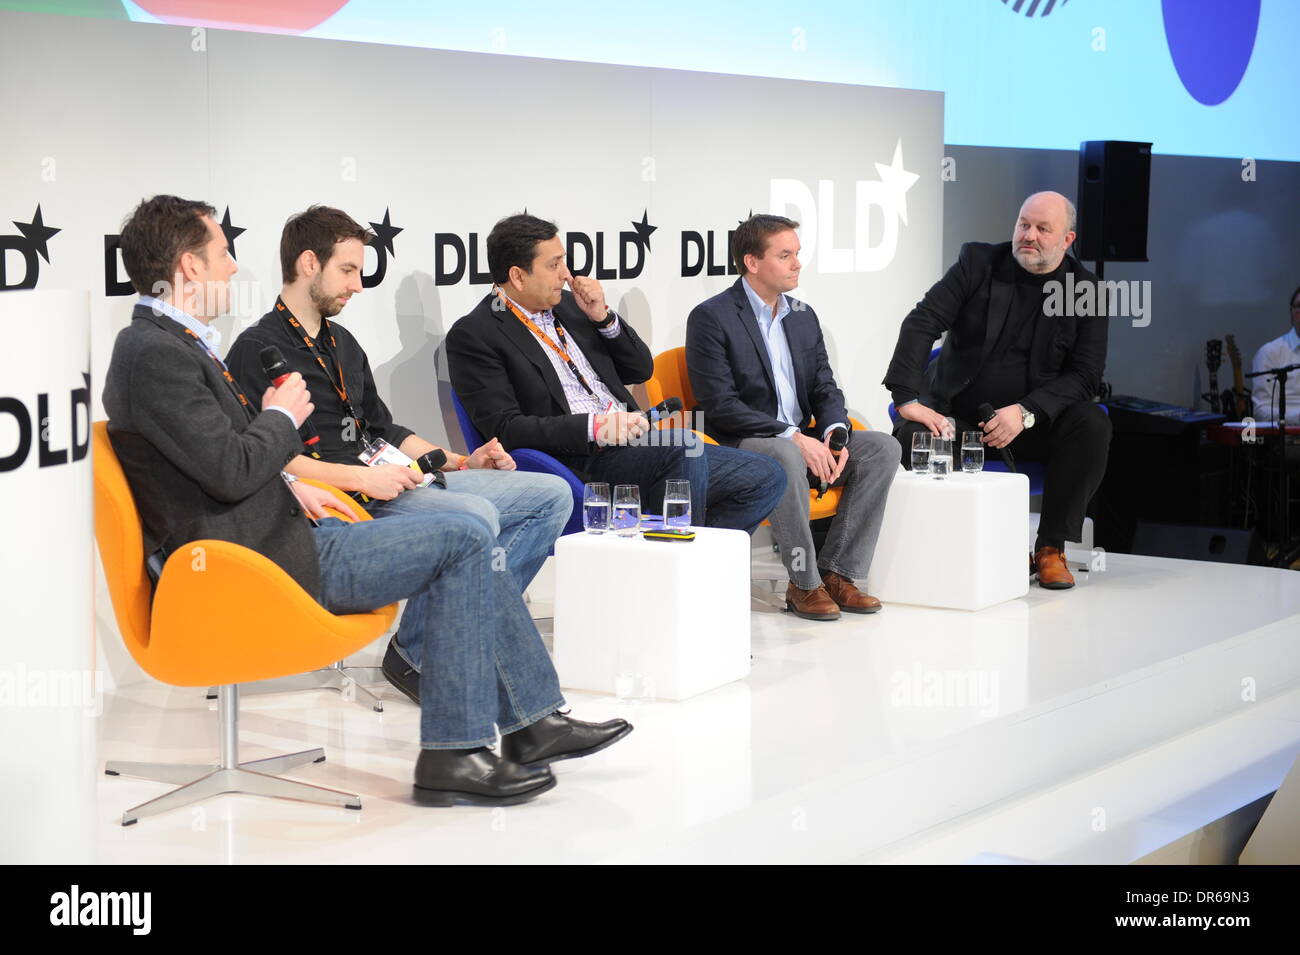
[1211, 42]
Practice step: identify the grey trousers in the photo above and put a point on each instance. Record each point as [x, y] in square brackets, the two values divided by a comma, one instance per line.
[855, 528]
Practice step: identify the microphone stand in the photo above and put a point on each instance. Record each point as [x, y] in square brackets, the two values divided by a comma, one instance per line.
[1287, 549]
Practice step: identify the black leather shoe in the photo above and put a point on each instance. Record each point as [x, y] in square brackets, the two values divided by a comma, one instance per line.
[476, 777]
[557, 737]
[401, 674]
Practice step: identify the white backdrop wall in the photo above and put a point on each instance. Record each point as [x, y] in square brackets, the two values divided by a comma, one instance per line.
[98, 114]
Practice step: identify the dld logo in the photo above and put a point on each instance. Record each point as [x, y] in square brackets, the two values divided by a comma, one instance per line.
[456, 258]
[31, 244]
[35, 429]
[880, 205]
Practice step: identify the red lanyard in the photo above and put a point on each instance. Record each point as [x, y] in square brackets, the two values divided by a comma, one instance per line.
[562, 349]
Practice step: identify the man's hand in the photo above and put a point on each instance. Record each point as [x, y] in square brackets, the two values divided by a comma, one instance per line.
[589, 296]
[915, 411]
[291, 396]
[619, 427]
[315, 500]
[491, 456]
[816, 455]
[1003, 427]
[385, 481]
[841, 456]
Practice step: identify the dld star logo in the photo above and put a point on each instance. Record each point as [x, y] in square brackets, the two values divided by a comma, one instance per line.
[32, 244]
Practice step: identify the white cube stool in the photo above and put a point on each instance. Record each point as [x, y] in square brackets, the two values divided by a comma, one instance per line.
[649, 618]
[957, 543]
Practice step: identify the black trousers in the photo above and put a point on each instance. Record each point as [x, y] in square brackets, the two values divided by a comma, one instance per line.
[1074, 447]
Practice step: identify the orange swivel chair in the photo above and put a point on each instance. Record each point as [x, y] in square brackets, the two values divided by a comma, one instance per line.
[672, 379]
[348, 680]
[221, 614]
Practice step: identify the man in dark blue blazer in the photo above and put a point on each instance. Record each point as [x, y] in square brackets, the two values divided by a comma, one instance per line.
[758, 367]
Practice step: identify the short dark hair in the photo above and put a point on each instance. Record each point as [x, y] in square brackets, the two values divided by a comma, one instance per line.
[750, 237]
[156, 234]
[513, 241]
[319, 229]
[1291, 300]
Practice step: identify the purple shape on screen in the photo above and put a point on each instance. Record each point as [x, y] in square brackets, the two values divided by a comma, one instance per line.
[1211, 42]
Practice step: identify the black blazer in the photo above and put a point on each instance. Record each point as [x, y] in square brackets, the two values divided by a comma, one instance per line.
[731, 373]
[201, 465]
[970, 303]
[510, 389]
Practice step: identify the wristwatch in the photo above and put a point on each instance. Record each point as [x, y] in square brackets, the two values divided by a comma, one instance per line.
[608, 320]
[1026, 417]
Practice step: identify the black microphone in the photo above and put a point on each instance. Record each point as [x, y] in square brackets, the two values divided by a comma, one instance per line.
[839, 437]
[431, 462]
[277, 369]
[663, 410]
[986, 413]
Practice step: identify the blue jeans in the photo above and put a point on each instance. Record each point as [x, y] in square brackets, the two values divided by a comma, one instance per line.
[485, 664]
[729, 487]
[525, 512]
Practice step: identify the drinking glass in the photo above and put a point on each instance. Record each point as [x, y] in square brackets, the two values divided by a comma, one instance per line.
[595, 508]
[972, 452]
[677, 505]
[921, 452]
[627, 509]
[941, 457]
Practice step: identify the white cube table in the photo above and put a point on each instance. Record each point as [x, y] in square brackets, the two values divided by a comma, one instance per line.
[957, 543]
[665, 620]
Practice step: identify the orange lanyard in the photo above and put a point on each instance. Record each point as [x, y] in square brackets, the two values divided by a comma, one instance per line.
[562, 349]
[342, 386]
[225, 372]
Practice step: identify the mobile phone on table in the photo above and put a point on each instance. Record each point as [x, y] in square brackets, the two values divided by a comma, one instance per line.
[668, 534]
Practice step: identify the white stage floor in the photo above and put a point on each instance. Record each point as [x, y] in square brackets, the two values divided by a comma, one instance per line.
[1093, 725]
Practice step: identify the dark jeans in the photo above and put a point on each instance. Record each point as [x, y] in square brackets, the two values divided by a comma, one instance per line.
[729, 487]
[484, 664]
[1074, 446]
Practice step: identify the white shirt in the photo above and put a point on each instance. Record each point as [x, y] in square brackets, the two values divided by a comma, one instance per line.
[1278, 353]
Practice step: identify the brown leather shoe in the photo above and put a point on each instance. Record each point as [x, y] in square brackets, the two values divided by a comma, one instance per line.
[811, 604]
[1053, 574]
[847, 596]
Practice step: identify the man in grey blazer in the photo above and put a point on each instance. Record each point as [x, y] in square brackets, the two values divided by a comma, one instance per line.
[202, 462]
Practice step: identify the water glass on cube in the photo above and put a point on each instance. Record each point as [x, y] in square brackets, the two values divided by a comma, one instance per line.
[972, 452]
[626, 519]
[921, 452]
[677, 505]
[595, 508]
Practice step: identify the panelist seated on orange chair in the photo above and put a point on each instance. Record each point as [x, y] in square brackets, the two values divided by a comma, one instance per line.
[203, 463]
[758, 367]
[547, 369]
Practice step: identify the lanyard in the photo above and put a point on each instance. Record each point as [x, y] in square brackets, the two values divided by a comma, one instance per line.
[341, 387]
[225, 372]
[562, 349]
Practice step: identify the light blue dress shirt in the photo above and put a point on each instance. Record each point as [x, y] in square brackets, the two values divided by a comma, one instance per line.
[209, 337]
[772, 328]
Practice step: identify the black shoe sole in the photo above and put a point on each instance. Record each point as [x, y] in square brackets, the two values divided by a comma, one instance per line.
[451, 797]
[861, 609]
[789, 608]
[397, 685]
[1069, 586]
[578, 754]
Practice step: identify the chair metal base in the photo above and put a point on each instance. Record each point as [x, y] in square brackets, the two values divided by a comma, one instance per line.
[347, 680]
[257, 777]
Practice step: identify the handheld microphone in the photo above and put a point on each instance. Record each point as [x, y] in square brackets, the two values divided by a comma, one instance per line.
[987, 413]
[663, 410]
[277, 369]
[431, 462]
[838, 438]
